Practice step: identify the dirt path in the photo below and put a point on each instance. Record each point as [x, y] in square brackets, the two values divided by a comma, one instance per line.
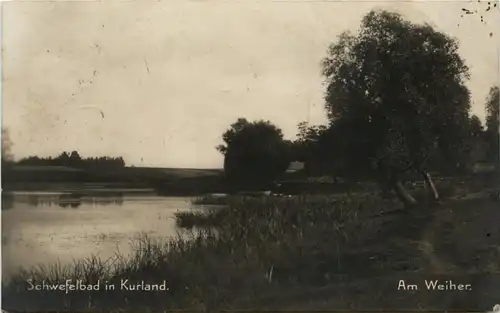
[463, 241]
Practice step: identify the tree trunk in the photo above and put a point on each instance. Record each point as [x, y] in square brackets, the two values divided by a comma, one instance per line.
[430, 184]
[403, 194]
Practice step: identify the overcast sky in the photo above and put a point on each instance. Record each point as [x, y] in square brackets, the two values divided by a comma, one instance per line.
[158, 82]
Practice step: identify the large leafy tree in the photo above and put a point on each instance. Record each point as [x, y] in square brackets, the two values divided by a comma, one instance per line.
[305, 147]
[476, 127]
[396, 92]
[476, 144]
[318, 146]
[255, 153]
[492, 116]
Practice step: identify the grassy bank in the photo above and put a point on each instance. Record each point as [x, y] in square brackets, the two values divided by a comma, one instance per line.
[263, 253]
[255, 238]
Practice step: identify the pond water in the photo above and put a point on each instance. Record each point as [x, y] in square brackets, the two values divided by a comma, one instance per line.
[41, 228]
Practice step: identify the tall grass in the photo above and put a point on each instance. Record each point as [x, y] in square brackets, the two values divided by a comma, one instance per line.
[249, 247]
[211, 200]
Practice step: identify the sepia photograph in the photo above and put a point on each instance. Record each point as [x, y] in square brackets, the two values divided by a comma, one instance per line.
[280, 155]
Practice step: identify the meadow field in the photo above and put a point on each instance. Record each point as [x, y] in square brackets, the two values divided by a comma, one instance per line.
[163, 179]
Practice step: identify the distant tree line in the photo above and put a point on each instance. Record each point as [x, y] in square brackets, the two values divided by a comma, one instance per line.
[70, 159]
[73, 159]
[397, 107]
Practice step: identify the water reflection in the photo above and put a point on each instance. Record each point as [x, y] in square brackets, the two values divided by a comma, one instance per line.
[7, 201]
[65, 200]
[72, 205]
[73, 200]
[47, 227]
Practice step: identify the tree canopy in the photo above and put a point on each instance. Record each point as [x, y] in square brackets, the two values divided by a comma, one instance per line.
[396, 91]
[254, 152]
[476, 126]
[307, 143]
[492, 122]
[492, 109]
